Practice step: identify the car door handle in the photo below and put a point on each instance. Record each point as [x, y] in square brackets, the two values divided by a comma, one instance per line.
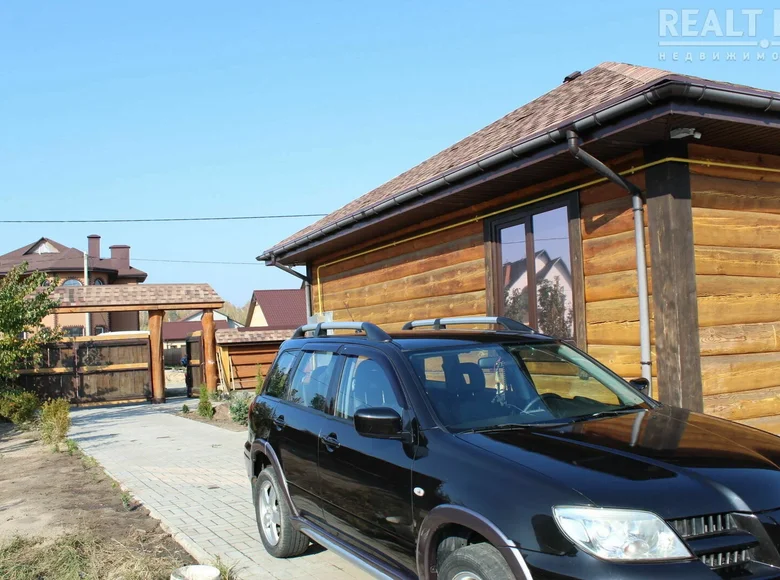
[279, 422]
[331, 442]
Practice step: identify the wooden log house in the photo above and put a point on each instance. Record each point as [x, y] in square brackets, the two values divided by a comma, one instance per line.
[508, 221]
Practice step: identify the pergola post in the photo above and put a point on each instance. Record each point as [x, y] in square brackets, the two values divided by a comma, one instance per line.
[158, 366]
[210, 350]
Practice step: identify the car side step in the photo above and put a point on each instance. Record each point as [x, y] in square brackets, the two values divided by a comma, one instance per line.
[375, 569]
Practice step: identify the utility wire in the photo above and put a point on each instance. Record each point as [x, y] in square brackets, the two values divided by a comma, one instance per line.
[158, 220]
[196, 262]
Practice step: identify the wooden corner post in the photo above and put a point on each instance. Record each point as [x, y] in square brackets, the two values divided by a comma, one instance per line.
[676, 311]
[158, 366]
[210, 350]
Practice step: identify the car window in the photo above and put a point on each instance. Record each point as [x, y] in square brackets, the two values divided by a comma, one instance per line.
[364, 383]
[277, 379]
[518, 383]
[310, 381]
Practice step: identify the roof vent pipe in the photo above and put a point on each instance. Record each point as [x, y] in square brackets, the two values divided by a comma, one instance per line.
[639, 237]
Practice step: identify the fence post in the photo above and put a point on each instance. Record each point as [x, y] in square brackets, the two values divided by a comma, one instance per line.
[158, 368]
[210, 350]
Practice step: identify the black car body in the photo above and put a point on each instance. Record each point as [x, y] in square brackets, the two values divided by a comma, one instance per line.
[400, 500]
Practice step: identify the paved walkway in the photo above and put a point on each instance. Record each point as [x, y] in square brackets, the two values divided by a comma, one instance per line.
[191, 476]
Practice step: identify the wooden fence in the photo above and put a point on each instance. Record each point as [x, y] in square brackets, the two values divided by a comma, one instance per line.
[92, 369]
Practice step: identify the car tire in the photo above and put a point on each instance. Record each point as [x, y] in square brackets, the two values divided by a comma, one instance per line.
[475, 562]
[274, 520]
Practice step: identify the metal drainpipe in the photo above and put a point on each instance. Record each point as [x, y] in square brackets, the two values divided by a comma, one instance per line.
[639, 237]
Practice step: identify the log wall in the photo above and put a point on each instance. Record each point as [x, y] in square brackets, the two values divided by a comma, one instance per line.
[736, 223]
[437, 275]
[445, 274]
[609, 259]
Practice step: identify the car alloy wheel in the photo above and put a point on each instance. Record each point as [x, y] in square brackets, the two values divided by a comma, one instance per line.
[270, 514]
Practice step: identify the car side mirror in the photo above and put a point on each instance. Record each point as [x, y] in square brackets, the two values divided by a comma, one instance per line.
[640, 384]
[379, 423]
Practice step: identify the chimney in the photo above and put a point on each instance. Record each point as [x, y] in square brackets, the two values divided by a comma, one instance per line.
[93, 248]
[121, 257]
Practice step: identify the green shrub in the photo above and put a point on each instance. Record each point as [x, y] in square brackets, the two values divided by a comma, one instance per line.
[259, 383]
[18, 406]
[204, 404]
[71, 446]
[55, 421]
[185, 409]
[239, 409]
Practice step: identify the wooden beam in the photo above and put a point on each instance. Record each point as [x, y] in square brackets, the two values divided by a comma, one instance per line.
[136, 307]
[675, 307]
[157, 364]
[209, 350]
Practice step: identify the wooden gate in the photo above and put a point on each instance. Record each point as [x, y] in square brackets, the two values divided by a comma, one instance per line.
[92, 369]
[195, 364]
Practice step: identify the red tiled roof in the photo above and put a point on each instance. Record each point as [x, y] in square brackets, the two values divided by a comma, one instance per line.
[282, 308]
[596, 88]
[179, 330]
[65, 260]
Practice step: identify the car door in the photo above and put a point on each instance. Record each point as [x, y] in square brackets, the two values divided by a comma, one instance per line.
[366, 482]
[299, 419]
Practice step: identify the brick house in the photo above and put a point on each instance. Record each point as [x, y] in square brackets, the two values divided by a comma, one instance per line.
[66, 265]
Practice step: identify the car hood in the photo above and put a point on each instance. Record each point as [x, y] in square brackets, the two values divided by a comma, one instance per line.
[670, 461]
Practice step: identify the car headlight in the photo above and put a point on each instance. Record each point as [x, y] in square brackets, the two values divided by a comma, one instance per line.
[617, 534]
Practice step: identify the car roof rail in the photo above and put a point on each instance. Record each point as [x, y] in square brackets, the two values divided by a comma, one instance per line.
[442, 323]
[319, 330]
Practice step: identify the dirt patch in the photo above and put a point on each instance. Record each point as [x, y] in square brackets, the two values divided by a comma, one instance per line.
[221, 417]
[174, 377]
[55, 496]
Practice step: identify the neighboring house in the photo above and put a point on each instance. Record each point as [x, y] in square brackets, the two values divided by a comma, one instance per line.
[175, 333]
[277, 309]
[198, 316]
[551, 269]
[67, 266]
[705, 159]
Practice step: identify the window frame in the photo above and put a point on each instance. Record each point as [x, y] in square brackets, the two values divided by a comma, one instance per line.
[296, 354]
[329, 393]
[352, 351]
[494, 269]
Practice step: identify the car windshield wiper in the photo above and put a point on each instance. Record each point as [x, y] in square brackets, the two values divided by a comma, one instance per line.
[607, 413]
[505, 426]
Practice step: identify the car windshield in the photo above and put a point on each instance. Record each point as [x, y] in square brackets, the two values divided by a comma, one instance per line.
[504, 385]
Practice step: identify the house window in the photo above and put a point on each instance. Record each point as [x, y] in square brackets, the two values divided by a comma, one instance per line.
[100, 329]
[71, 282]
[73, 331]
[532, 267]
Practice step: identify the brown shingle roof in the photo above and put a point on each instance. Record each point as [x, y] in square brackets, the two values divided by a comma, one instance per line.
[177, 296]
[238, 335]
[604, 84]
[282, 308]
[65, 260]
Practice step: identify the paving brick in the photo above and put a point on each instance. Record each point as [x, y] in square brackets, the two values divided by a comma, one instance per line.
[169, 462]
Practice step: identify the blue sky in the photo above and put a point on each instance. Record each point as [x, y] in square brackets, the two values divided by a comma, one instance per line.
[159, 109]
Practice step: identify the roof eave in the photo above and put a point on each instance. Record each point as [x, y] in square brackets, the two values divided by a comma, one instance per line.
[652, 95]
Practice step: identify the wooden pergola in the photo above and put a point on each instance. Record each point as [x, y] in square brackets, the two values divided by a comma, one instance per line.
[155, 299]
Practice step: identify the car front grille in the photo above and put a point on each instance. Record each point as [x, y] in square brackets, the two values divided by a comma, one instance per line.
[702, 525]
[718, 540]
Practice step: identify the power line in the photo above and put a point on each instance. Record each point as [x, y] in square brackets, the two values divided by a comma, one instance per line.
[164, 220]
[197, 262]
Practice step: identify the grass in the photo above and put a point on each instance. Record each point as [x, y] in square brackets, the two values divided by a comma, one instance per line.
[88, 462]
[55, 421]
[71, 446]
[225, 570]
[85, 557]
[127, 500]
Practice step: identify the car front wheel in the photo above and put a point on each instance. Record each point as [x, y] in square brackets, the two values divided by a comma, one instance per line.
[475, 562]
[274, 520]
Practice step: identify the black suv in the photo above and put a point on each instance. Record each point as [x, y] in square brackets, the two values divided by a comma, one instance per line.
[496, 454]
